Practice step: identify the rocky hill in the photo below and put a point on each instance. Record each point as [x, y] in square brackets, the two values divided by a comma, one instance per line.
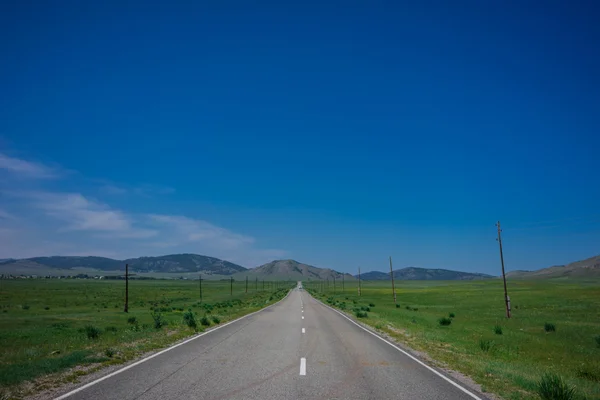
[291, 269]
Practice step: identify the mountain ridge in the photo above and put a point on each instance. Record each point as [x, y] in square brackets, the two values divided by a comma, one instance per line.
[587, 268]
[414, 273]
[172, 263]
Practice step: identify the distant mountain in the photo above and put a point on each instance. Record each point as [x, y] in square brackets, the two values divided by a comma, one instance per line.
[588, 268]
[184, 263]
[291, 269]
[174, 263]
[424, 274]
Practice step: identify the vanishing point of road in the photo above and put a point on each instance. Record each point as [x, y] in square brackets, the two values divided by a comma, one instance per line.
[296, 349]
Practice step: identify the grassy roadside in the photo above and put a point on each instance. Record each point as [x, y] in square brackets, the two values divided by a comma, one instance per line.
[52, 332]
[462, 325]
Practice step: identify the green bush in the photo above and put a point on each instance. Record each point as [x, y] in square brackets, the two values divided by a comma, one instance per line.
[498, 330]
[485, 344]
[361, 314]
[549, 327]
[205, 321]
[109, 353]
[444, 321]
[371, 305]
[553, 387]
[132, 320]
[597, 338]
[25, 306]
[190, 320]
[397, 305]
[91, 332]
[111, 329]
[46, 308]
[158, 319]
[452, 315]
[216, 320]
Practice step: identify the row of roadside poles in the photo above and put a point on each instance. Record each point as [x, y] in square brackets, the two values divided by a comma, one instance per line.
[499, 239]
[506, 297]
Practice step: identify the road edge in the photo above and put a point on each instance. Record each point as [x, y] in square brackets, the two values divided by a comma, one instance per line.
[156, 354]
[475, 394]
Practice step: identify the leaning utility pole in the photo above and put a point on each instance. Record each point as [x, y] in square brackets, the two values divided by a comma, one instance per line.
[392, 275]
[126, 288]
[359, 281]
[506, 298]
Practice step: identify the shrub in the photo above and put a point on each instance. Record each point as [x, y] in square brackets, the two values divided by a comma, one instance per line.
[189, 319]
[46, 308]
[397, 305]
[371, 305]
[549, 327]
[365, 308]
[109, 353]
[452, 315]
[444, 321]
[498, 330]
[111, 329]
[362, 314]
[25, 306]
[407, 307]
[132, 320]
[485, 344]
[158, 319]
[205, 321]
[216, 320]
[597, 338]
[415, 309]
[91, 332]
[553, 387]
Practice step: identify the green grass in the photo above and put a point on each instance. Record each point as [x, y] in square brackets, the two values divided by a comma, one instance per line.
[510, 364]
[553, 387]
[50, 326]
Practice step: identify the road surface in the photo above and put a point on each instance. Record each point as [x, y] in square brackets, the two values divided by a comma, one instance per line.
[296, 349]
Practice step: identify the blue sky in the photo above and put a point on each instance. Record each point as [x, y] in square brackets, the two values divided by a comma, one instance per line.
[336, 134]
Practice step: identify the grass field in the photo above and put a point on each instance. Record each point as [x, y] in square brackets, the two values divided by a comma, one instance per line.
[506, 356]
[49, 327]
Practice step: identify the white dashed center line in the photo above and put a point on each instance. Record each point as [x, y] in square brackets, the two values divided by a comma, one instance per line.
[303, 366]
[303, 330]
[303, 317]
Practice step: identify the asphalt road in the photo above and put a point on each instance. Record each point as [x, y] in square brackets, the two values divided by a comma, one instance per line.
[296, 349]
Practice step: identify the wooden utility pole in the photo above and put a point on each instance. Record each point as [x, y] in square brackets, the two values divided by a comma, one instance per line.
[126, 288]
[334, 284]
[392, 275]
[506, 298]
[359, 281]
[200, 283]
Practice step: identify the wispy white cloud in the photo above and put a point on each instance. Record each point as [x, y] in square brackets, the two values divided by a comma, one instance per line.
[36, 220]
[27, 169]
[139, 190]
[193, 230]
[81, 214]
